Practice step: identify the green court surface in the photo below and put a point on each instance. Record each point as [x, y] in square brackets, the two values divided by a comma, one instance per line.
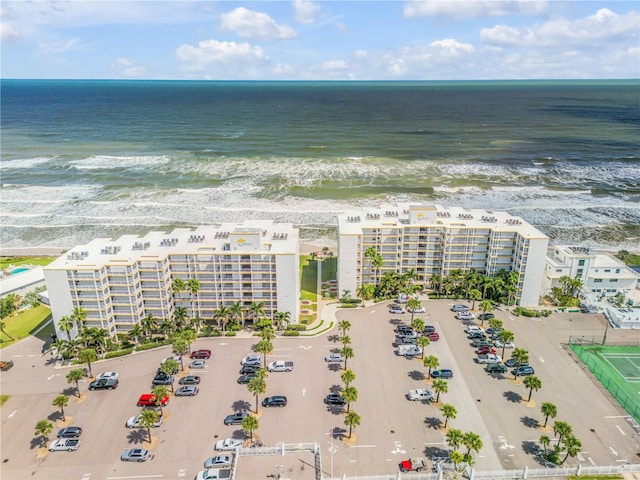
[618, 369]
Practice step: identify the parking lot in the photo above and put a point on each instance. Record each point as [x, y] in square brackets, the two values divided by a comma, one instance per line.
[391, 429]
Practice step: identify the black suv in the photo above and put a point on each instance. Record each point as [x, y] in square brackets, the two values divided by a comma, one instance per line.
[104, 384]
[162, 379]
[249, 369]
[486, 316]
[275, 401]
[495, 368]
[429, 329]
[70, 432]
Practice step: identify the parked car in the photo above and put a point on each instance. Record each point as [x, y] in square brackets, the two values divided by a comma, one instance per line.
[219, 461]
[465, 316]
[244, 379]
[228, 444]
[134, 455]
[485, 350]
[417, 310]
[444, 373]
[402, 327]
[250, 369]
[197, 364]
[413, 465]
[334, 357]
[162, 379]
[235, 418]
[459, 308]
[64, 444]
[481, 342]
[499, 344]
[488, 358]
[486, 316]
[280, 366]
[434, 337]
[275, 401]
[523, 370]
[105, 375]
[136, 422]
[213, 474]
[475, 335]
[405, 341]
[252, 360]
[420, 394]
[512, 363]
[408, 350]
[104, 384]
[396, 309]
[149, 400]
[189, 380]
[335, 399]
[495, 368]
[187, 391]
[69, 432]
[428, 329]
[494, 331]
[407, 334]
[206, 354]
[6, 365]
[474, 329]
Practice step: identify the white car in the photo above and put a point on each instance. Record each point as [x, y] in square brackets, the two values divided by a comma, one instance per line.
[219, 461]
[396, 309]
[499, 344]
[213, 474]
[64, 444]
[474, 329]
[420, 394]
[465, 316]
[252, 360]
[135, 422]
[228, 444]
[107, 375]
[334, 357]
[459, 308]
[417, 310]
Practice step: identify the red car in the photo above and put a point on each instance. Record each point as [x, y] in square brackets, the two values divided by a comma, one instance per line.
[149, 400]
[486, 350]
[434, 337]
[201, 354]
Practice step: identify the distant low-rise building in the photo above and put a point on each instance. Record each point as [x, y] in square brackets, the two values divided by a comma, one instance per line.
[120, 282]
[431, 239]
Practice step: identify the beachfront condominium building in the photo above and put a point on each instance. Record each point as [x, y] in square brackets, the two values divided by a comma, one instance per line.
[120, 282]
[602, 274]
[434, 240]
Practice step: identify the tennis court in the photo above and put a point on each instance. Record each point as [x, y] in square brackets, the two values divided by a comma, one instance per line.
[617, 368]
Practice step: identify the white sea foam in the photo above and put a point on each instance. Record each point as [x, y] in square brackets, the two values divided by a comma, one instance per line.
[104, 162]
[21, 163]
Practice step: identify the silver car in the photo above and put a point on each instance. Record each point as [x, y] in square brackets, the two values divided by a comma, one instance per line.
[187, 391]
[134, 455]
[219, 461]
[334, 357]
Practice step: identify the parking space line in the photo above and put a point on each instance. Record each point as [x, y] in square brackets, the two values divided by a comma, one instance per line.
[137, 476]
[621, 431]
[361, 446]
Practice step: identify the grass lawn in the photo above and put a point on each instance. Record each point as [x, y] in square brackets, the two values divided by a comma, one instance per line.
[17, 261]
[24, 324]
[3, 399]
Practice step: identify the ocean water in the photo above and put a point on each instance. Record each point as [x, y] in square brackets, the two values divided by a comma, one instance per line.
[82, 159]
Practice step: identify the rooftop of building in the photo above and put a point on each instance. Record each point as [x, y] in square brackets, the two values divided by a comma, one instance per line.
[353, 221]
[252, 236]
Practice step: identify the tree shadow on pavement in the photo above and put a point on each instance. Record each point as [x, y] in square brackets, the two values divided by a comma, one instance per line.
[334, 338]
[434, 452]
[531, 448]
[334, 367]
[529, 422]
[241, 406]
[137, 436]
[432, 422]
[513, 396]
[335, 409]
[335, 388]
[54, 416]
[416, 375]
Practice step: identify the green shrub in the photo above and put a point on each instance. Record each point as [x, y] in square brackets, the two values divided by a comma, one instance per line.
[525, 312]
[119, 353]
[296, 326]
[230, 334]
[290, 333]
[147, 346]
[212, 333]
[349, 305]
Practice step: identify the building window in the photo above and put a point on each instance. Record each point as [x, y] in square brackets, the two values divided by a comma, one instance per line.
[617, 270]
[607, 270]
[613, 280]
[580, 270]
[597, 280]
[581, 263]
[558, 270]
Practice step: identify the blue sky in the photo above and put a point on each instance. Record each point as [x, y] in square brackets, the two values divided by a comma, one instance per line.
[320, 40]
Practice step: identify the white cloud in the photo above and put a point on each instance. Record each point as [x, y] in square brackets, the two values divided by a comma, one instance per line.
[252, 24]
[124, 67]
[458, 9]
[62, 46]
[334, 65]
[559, 32]
[225, 59]
[306, 11]
[452, 48]
[8, 33]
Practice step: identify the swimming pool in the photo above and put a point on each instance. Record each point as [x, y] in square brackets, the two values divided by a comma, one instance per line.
[18, 270]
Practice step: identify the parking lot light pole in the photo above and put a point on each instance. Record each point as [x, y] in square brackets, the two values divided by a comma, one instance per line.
[606, 329]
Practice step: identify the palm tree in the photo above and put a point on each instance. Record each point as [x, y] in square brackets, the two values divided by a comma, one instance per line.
[180, 316]
[436, 282]
[573, 446]
[264, 347]
[440, 385]
[257, 386]
[423, 342]
[193, 285]
[44, 428]
[237, 313]
[347, 353]
[413, 304]
[222, 316]
[352, 420]
[61, 401]
[166, 327]
[257, 310]
[87, 356]
[267, 333]
[74, 376]
[505, 336]
[545, 441]
[95, 337]
[431, 362]
[344, 326]
[60, 346]
[563, 429]
[495, 323]
[346, 340]
[472, 441]
[532, 383]
[350, 394]
[250, 424]
[417, 324]
[159, 392]
[371, 253]
[548, 410]
[520, 355]
[180, 346]
[178, 285]
[456, 458]
[282, 319]
[448, 411]
[135, 333]
[79, 316]
[2, 329]
[486, 306]
[169, 367]
[474, 295]
[148, 418]
[347, 377]
[66, 325]
[454, 438]
[189, 335]
[148, 324]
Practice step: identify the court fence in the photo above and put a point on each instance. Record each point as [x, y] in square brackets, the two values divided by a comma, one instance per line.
[578, 344]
